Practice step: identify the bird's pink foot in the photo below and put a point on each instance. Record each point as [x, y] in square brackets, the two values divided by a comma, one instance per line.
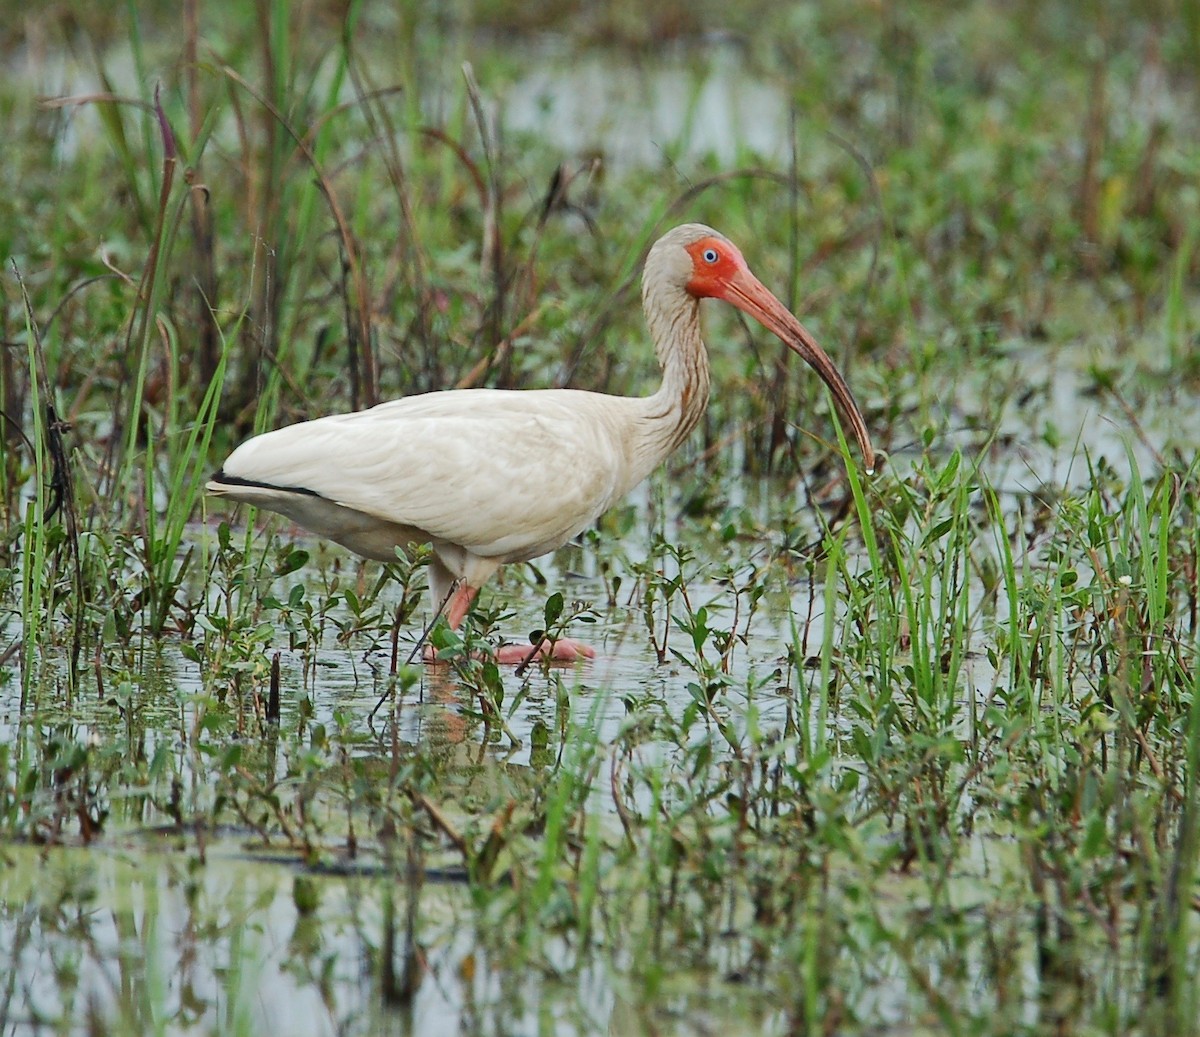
[564, 650]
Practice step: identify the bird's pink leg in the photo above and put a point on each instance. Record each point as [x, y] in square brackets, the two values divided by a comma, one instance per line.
[455, 610]
[565, 649]
[460, 604]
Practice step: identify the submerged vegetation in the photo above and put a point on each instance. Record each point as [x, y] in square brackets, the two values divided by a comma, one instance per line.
[905, 753]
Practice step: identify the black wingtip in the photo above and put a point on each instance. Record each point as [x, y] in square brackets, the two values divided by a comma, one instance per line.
[221, 476]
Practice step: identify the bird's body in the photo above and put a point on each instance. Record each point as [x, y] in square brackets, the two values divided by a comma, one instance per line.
[517, 474]
[491, 476]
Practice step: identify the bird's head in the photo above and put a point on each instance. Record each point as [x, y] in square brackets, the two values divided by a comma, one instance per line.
[707, 265]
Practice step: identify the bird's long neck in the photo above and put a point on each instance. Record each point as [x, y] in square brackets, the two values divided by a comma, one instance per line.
[673, 317]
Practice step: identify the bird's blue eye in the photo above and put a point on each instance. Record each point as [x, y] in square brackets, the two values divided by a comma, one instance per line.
[710, 255]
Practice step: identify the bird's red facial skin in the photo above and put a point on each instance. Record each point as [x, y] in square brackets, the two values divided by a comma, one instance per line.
[715, 262]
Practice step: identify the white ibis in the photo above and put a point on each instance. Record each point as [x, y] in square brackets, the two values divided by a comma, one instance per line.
[488, 476]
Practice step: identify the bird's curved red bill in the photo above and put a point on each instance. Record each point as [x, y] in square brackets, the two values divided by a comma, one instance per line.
[751, 296]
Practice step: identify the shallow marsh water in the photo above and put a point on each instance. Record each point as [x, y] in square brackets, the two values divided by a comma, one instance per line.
[159, 931]
[143, 933]
[152, 940]
[159, 927]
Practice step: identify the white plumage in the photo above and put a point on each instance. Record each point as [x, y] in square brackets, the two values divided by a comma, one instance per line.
[490, 476]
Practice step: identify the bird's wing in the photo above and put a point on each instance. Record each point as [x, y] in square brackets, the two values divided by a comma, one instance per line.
[502, 474]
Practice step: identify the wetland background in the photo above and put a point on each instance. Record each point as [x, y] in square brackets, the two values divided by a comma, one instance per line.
[912, 753]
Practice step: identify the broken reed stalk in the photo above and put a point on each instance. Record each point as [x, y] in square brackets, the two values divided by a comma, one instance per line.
[62, 486]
